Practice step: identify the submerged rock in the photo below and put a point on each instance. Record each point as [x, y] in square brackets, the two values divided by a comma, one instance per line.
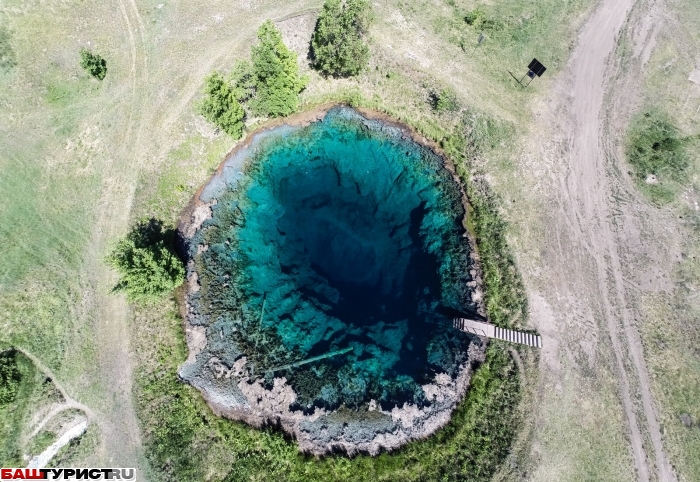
[326, 263]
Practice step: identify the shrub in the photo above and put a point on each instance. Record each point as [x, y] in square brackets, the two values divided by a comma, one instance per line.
[221, 105]
[10, 377]
[147, 263]
[338, 47]
[93, 63]
[275, 74]
[474, 17]
[444, 101]
[654, 147]
[479, 20]
[7, 55]
[243, 79]
[18, 385]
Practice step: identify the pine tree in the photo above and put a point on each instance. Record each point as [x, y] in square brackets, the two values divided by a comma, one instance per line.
[147, 263]
[338, 46]
[276, 74]
[221, 105]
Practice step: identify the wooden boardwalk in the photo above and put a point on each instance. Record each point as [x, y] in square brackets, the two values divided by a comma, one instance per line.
[492, 331]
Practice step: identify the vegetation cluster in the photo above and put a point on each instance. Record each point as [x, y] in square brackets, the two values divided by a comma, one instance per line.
[18, 381]
[222, 105]
[338, 48]
[480, 20]
[657, 154]
[270, 85]
[275, 73]
[147, 262]
[8, 59]
[10, 377]
[94, 64]
[444, 100]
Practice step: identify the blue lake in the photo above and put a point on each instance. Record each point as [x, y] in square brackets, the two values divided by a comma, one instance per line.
[344, 234]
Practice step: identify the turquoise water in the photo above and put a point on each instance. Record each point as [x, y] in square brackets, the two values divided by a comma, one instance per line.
[341, 234]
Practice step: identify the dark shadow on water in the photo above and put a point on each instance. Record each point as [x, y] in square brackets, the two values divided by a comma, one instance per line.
[363, 306]
[451, 313]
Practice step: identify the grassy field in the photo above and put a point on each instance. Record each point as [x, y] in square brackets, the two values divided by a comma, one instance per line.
[83, 159]
[78, 451]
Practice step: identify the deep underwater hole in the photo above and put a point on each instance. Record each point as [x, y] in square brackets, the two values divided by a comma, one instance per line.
[332, 261]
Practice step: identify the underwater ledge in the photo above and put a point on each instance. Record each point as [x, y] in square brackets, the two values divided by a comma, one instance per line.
[270, 350]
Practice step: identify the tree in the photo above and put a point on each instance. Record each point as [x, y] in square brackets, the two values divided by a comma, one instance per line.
[338, 46]
[147, 263]
[221, 105]
[275, 73]
[224, 100]
[93, 63]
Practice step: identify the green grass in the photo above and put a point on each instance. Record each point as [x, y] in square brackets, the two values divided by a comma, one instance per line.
[187, 167]
[40, 442]
[47, 304]
[674, 365]
[35, 229]
[671, 341]
[505, 297]
[65, 93]
[7, 54]
[45, 209]
[514, 32]
[51, 177]
[13, 415]
[670, 317]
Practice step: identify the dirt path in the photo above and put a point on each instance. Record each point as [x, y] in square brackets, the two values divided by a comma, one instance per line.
[70, 402]
[111, 377]
[587, 244]
[587, 185]
[55, 410]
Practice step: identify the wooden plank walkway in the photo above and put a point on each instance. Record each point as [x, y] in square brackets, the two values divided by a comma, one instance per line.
[492, 331]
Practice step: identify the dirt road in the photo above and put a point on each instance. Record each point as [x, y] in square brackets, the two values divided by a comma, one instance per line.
[585, 313]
